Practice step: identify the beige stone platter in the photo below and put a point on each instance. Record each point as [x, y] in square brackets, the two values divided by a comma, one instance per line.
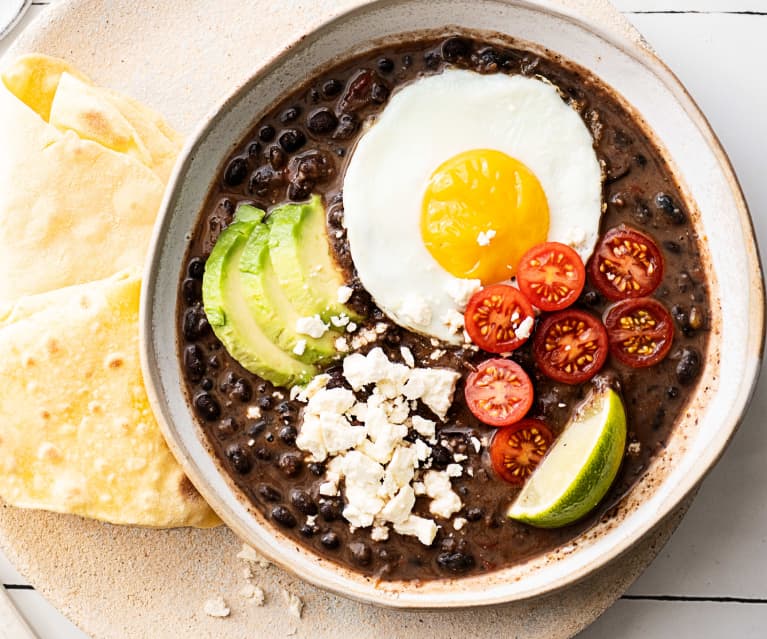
[117, 582]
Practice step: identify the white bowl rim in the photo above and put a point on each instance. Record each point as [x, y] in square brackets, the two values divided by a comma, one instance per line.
[638, 52]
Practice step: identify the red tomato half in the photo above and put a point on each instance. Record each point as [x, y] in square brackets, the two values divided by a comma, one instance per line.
[551, 275]
[496, 318]
[626, 264]
[516, 451]
[570, 346]
[640, 331]
[499, 392]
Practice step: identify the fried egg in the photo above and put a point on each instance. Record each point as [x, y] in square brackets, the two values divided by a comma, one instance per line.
[457, 178]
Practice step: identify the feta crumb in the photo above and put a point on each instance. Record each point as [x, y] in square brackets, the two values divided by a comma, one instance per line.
[484, 237]
[216, 607]
[253, 594]
[317, 383]
[414, 310]
[424, 427]
[459, 522]
[253, 412]
[422, 450]
[454, 321]
[344, 294]
[424, 529]
[434, 387]
[419, 488]
[460, 291]
[454, 470]
[294, 604]
[250, 555]
[459, 457]
[476, 444]
[525, 328]
[407, 356]
[398, 509]
[311, 326]
[328, 489]
[445, 502]
[300, 348]
[436, 354]
[339, 321]
[434, 341]
[634, 448]
[381, 328]
[342, 346]
[379, 532]
[351, 327]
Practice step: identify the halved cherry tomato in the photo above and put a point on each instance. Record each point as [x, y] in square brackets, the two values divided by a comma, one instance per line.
[570, 346]
[517, 450]
[626, 264]
[551, 275]
[499, 318]
[640, 331]
[499, 392]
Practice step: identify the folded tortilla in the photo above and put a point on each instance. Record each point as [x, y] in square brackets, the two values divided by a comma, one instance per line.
[77, 434]
[82, 175]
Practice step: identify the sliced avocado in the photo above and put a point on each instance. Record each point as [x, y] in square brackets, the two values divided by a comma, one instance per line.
[224, 301]
[300, 254]
[271, 307]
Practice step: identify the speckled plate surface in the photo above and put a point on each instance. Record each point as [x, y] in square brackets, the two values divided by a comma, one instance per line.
[118, 582]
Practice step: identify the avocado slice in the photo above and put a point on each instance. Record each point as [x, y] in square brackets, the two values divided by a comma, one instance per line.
[224, 301]
[269, 305]
[300, 254]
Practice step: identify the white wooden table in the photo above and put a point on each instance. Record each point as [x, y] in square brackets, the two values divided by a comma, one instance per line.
[710, 581]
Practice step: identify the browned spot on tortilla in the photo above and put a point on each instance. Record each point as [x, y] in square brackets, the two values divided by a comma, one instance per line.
[45, 414]
[114, 361]
[52, 345]
[85, 302]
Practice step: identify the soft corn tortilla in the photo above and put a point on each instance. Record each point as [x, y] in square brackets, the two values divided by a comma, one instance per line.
[82, 175]
[77, 434]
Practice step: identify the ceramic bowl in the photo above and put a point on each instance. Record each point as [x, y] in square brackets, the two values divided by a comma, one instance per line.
[713, 197]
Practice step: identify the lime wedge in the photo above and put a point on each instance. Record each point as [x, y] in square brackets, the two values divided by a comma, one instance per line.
[580, 467]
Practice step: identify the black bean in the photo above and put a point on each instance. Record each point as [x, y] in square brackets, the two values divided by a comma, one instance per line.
[256, 428]
[290, 464]
[454, 49]
[360, 553]
[207, 407]
[263, 179]
[665, 202]
[475, 514]
[441, 456]
[332, 88]
[640, 160]
[285, 409]
[265, 402]
[269, 493]
[263, 454]
[291, 114]
[330, 509]
[194, 362]
[455, 562]
[206, 384]
[306, 530]
[314, 95]
[241, 391]
[682, 318]
[298, 192]
[291, 140]
[269, 437]
[303, 502]
[672, 392]
[316, 468]
[236, 172]
[277, 158]
[347, 127]
[239, 458]
[385, 65]
[196, 268]
[288, 434]
[267, 133]
[379, 93]
[195, 323]
[658, 418]
[191, 290]
[688, 366]
[330, 540]
[214, 361]
[432, 60]
[254, 148]
[227, 427]
[283, 516]
[321, 121]
[672, 247]
[489, 59]
[641, 213]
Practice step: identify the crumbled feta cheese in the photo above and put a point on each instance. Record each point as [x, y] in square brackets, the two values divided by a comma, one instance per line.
[253, 412]
[422, 450]
[338, 434]
[436, 354]
[363, 477]
[484, 237]
[460, 291]
[381, 328]
[216, 607]
[424, 529]
[253, 594]
[459, 457]
[361, 370]
[525, 328]
[300, 348]
[312, 388]
[454, 470]
[561, 405]
[454, 321]
[416, 311]
[400, 470]
[434, 387]
[444, 502]
[424, 427]
[311, 326]
[398, 509]
[407, 356]
[310, 438]
[634, 448]
[339, 321]
[379, 532]
[294, 604]
[250, 555]
[419, 488]
[344, 294]
[459, 522]
[328, 489]
[342, 346]
[331, 400]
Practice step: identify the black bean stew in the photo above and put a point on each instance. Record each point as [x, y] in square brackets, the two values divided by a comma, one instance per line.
[301, 147]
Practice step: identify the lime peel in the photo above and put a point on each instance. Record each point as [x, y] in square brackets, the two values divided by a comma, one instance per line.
[580, 467]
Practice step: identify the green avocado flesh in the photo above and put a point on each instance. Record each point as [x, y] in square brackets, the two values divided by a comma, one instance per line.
[225, 303]
[270, 305]
[300, 253]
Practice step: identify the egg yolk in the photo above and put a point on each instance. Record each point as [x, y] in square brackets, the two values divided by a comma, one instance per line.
[481, 212]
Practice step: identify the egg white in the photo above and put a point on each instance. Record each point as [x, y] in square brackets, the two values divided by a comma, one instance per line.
[428, 122]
